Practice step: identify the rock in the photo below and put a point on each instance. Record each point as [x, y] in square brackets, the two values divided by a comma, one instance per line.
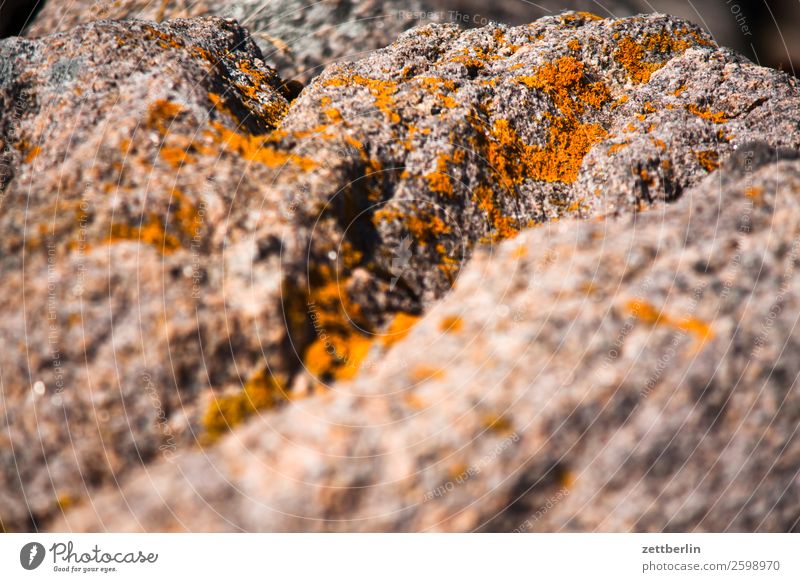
[297, 38]
[625, 374]
[764, 36]
[218, 246]
[690, 115]
[300, 38]
[112, 301]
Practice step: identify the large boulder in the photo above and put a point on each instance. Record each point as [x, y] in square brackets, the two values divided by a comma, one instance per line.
[298, 38]
[189, 243]
[628, 374]
[301, 37]
[110, 299]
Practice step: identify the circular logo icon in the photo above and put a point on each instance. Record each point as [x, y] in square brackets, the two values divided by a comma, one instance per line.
[31, 555]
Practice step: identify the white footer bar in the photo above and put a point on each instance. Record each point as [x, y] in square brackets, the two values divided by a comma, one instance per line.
[400, 557]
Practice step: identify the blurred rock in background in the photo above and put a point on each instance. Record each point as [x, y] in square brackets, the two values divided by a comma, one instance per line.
[297, 37]
[301, 37]
[765, 31]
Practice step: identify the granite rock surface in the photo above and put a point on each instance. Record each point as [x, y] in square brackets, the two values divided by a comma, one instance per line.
[298, 38]
[628, 374]
[192, 245]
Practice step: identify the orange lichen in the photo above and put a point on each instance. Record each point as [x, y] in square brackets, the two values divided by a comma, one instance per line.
[754, 192]
[333, 114]
[441, 88]
[633, 55]
[712, 116]
[476, 57]
[32, 153]
[401, 326]
[321, 131]
[559, 161]
[258, 91]
[503, 226]
[64, 501]
[324, 324]
[566, 478]
[164, 233]
[577, 205]
[178, 150]
[578, 17]
[413, 401]
[424, 372]
[709, 159]
[439, 181]
[622, 100]
[477, 61]
[163, 39]
[519, 252]
[162, 113]
[614, 148]
[452, 324]
[176, 156]
[510, 159]
[340, 339]
[187, 218]
[722, 135]
[151, 231]
[382, 92]
[448, 265]
[499, 36]
[261, 391]
[424, 225]
[649, 314]
[219, 104]
[338, 357]
[498, 423]
[564, 81]
[255, 148]
[259, 78]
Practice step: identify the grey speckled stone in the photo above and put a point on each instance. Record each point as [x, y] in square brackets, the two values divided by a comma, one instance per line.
[188, 243]
[108, 298]
[298, 38]
[631, 374]
[683, 123]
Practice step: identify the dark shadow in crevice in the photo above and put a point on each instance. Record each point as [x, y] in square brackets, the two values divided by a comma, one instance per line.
[15, 15]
